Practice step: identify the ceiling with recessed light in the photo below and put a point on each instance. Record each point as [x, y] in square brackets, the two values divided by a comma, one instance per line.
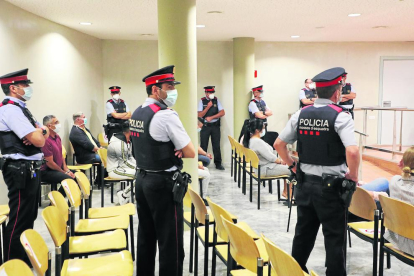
[265, 20]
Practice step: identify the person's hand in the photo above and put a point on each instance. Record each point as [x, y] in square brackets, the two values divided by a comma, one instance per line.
[210, 104]
[95, 149]
[200, 166]
[26, 142]
[71, 174]
[294, 168]
[376, 195]
[179, 153]
[209, 155]
[352, 177]
[208, 119]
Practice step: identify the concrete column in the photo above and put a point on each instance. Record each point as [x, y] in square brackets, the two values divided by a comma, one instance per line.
[243, 76]
[177, 45]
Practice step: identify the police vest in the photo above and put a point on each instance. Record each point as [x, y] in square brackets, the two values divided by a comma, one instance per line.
[150, 154]
[119, 107]
[10, 143]
[261, 105]
[318, 142]
[213, 109]
[347, 90]
[309, 94]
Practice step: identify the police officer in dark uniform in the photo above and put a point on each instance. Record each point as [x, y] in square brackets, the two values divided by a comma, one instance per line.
[307, 95]
[159, 141]
[348, 96]
[211, 110]
[326, 144]
[257, 107]
[21, 140]
[117, 112]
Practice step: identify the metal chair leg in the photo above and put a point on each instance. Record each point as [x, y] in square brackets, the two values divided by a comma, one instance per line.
[290, 209]
[112, 192]
[58, 260]
[191, 239]
[206, 243]
[131, 228]
[260, 264]
[196, 251]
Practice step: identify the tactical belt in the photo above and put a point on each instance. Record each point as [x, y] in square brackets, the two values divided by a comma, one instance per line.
[212, 124]
[312, 178]
[165, 173]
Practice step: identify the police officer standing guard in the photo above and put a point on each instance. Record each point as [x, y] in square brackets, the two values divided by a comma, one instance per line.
[21, 140]
[348, 96]
[211, 110]
[159, 141]
[307, 95]
[117, 112]
[326, 144]
[257, 107]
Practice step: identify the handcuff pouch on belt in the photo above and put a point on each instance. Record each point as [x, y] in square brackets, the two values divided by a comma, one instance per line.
[343, 186]
[180, 180]
[298, 176]
[21, 170]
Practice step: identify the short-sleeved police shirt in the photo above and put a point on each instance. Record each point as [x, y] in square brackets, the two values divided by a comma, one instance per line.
[219, 106]
[348, 106]
[253, 107]
[344, 126]
[166, 126]
[13, 119]
[110, 108]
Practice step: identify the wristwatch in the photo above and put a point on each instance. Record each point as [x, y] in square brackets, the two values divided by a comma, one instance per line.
[292, 166]
[44, 131]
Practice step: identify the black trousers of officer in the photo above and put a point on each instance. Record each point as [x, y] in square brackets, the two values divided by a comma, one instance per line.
[23, 212]
[214, 132]
[320, 205]
[160, 220]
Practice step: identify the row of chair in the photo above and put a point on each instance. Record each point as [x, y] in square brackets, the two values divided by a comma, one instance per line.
[242, 250]
[245, 160]
[4, 213]
[395, 215]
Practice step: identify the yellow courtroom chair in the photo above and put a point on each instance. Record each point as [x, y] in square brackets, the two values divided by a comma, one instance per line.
[4, 210]
[254, 160]
[245, 251]
[79, 246]
[106, 212]
[233, 156]
[364, 206]
[282, 262]
[398, 218]
[103, 153]
[102, 141]
[15, 267]
[221, 250]
[38, 253]
[3, 219]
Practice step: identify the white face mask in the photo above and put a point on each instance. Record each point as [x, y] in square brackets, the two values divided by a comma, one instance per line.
[312, 86]
[28, 93]
[263, 133]
[261, 95]
[198, 129]
[211, 96]
[171, 99]
[115, 97]
[58, 127]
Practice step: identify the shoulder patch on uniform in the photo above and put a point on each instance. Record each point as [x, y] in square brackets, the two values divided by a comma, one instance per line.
[110, 101]
[348, 83]
[155, 108]
[336, 108]
[304, 89]
[121, 100]
[203, 98]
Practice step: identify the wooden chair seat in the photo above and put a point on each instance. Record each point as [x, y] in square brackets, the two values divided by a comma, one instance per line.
[109, 179]
[201, 233]
[361, 226]
[114, 240]
[15, 267]
[114, 264]
[395, 249]
[127, 209]
[101, 225]
[4, 209]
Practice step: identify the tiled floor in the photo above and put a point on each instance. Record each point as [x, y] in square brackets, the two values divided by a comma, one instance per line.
[271, 220]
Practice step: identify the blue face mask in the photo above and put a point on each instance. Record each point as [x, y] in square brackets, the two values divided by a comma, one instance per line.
[198, 129]
[172, 96]
[28, 93]
[263, 133]
[85, 121]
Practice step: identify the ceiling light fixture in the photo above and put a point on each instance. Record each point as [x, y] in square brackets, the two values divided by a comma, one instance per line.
[146, 34]
[200, 26]
[321, 27]
[215, 12]
[354, 14]
[295, 36]
[86, 23]
[379, 27]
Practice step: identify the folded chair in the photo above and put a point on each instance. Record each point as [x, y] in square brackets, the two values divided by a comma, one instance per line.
[79, 246]
[248, 253]
[398, 218]
[40, 257]
[15, 267]
[222, 250]
[282, 262]
[103, 153]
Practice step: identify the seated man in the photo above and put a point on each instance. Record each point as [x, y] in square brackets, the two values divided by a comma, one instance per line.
[121, 163]
[54, 170]
[205, 174]
[84, 144]
[202, 155]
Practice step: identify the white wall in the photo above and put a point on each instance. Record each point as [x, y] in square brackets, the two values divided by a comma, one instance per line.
[64, 65]
[127, 62]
